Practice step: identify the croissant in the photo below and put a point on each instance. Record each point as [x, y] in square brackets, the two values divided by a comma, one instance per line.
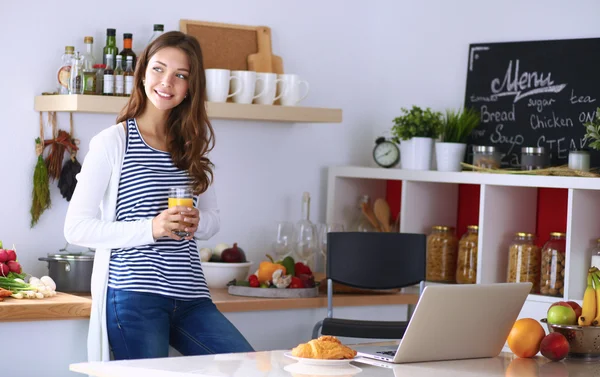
[325, 347]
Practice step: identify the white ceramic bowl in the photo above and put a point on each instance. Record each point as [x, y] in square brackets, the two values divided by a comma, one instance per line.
[218, 274]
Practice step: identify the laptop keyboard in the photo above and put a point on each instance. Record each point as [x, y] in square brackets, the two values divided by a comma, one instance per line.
[388, 353]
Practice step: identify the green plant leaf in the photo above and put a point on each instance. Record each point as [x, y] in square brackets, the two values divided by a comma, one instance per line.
[458, 125]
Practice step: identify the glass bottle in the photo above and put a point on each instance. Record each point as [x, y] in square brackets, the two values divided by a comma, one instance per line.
[108, 88]
[64, 72]
[128, 75]
[76, 82]
[89, 73]
[360, 223]
[553, 265]
[442, 248]
[99, 78]
[158, 30]
[305, 234]
[119, 77]
[596, 255]
[466, 270]
[111, 45]
[524, 261]
[127, 48]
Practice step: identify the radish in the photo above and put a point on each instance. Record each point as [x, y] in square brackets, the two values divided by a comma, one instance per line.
[14, 266]
[12, 255]
[3, 256]
[4, 270]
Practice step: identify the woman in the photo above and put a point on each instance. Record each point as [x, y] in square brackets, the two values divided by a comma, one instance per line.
[148, 289]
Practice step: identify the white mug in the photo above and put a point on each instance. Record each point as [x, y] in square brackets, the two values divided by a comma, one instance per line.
[247, 82]
[289, 89]
[266, 87]
[217, 84]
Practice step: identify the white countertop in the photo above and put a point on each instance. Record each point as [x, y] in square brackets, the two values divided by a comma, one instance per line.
[276, 364]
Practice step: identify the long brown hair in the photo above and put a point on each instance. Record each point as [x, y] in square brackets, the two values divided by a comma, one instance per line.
[190, 135]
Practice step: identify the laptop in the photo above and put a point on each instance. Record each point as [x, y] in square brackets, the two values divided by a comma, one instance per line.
[458, 321]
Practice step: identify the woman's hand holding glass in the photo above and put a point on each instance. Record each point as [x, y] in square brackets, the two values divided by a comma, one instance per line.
[177, 222]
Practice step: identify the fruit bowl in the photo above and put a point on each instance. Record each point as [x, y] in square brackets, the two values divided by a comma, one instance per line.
[584, 341]
[218, 274]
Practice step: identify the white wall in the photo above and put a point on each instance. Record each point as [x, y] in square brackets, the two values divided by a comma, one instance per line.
[261, 168]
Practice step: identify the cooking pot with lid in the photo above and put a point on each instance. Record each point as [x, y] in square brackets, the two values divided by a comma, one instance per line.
[71, 272]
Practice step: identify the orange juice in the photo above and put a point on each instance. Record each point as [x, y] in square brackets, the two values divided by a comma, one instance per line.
[186, 202]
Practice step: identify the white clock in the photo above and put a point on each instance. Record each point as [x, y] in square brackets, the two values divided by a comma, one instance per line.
[386, 153]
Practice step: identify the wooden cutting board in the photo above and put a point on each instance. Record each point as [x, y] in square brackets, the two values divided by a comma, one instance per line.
[264, 60]
[234, 47]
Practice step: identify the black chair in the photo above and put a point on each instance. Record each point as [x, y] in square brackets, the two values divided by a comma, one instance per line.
[372, 261]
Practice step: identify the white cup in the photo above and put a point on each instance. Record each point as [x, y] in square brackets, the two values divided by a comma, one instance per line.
[289, 89]
[266, 87]
[247, 83]
[217, 84]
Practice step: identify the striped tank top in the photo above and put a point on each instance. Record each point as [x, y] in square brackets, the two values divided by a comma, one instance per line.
[166, 267]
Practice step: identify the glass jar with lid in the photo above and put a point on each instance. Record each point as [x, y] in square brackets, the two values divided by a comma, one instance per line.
[442, 247]
[596, 255]
[466, 270]
[524, 261]
[533, 158]
[486, 157]
[553, 266]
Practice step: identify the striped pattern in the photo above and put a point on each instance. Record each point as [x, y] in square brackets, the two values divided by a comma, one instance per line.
[166, 267]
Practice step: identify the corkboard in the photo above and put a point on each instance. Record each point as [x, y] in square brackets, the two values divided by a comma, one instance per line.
[223, 45]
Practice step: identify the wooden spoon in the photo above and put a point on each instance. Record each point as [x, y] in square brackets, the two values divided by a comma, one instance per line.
[366, 210]
[382, 213]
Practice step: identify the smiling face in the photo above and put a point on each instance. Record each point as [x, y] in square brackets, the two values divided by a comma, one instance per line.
[166, 78]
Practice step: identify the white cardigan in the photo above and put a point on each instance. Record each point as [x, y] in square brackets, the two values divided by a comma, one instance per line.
[97, 189]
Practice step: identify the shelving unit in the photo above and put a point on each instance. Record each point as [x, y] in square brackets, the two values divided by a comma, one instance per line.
[507, 204]
[232, 111]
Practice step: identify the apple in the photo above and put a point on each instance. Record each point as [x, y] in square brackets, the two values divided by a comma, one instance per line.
[3, 256]
[575, 307]
[560, 303]
[554, 346]
[561, 315]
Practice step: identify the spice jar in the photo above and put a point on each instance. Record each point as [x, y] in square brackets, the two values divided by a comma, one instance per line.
[533, 158]
[466, 271]
[524, 261]
[486, 157]
[553, 266]
[442, 248]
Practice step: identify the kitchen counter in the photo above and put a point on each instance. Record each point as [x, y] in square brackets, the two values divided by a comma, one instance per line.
[276, 364]
[67, 306]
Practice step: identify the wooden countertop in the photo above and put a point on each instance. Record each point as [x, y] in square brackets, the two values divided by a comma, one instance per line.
[61, 306]
[68, 306]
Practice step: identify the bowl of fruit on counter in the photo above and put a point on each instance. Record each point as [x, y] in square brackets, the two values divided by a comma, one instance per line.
[223, 264]
[283, 278]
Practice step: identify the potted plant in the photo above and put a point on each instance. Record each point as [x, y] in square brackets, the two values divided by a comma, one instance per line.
[415, 130]
[454, 132]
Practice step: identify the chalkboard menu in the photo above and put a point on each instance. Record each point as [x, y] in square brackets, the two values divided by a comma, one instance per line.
[534, 94]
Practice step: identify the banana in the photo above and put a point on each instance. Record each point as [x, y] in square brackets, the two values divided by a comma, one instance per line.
[596, 277]
[588, 309]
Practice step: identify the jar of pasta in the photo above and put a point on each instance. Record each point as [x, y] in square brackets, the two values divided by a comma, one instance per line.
[524, 261]
[442, 247]
[553, 266]
[466, 271]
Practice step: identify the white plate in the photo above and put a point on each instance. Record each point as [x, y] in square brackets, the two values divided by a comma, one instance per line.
[320, 362]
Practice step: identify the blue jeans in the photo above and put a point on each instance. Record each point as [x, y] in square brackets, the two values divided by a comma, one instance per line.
[142, 325]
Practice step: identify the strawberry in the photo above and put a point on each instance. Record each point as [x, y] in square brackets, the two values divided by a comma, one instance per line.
[296, 283]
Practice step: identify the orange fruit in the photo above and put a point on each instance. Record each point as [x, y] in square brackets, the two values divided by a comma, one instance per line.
[525, 337]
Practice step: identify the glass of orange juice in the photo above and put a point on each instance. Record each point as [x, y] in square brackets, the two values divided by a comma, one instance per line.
[181, 196]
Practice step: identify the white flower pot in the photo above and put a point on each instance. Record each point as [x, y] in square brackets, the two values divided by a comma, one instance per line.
[415, 153]
[449, 156]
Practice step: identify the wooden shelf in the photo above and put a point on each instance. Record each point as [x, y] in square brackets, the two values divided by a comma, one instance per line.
[234, 111]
